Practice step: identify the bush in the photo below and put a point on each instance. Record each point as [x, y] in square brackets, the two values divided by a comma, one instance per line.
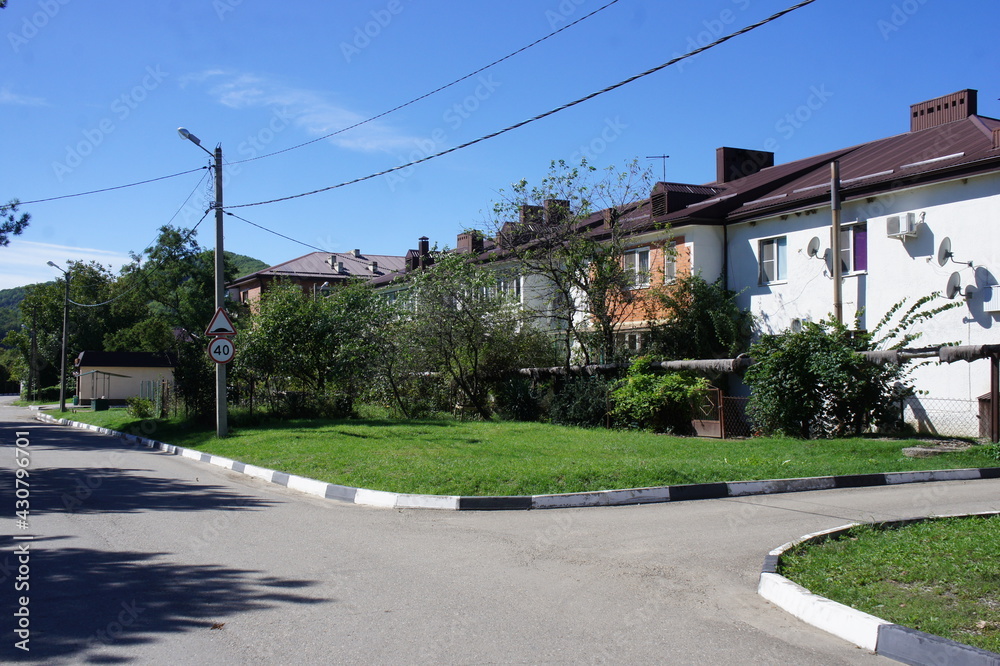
[514, 400]
[812, 384]
[580, 401]
[140, 408]
[48, 393]
[658, 402]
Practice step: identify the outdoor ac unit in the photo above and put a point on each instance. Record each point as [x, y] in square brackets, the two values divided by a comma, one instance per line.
[991, 298]
[901, 226]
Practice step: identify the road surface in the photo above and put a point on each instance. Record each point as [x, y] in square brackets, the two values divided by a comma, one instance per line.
[145, 557]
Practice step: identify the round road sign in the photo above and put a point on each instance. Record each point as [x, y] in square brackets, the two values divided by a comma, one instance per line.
[221, 349]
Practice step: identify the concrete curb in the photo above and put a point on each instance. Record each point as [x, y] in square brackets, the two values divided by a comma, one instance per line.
[866, 631]
[628, 496]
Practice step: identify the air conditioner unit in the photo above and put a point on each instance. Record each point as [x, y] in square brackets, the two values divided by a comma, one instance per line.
[902, 226]
[991, 299]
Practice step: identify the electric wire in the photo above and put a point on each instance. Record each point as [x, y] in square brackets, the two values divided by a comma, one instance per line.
[140, 272]
[433, 92]
[254, 224]
[540, 116]
[108, 189]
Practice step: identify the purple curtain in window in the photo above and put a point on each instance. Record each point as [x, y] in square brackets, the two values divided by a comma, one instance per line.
[861, 249]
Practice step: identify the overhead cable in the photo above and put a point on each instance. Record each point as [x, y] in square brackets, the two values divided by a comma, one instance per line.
[435, 91]
[540, 116]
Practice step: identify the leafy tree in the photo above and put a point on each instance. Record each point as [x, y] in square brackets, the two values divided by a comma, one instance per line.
[704, 321]
[10, 223]
[570, 232]
[465, 328]
[322, 346]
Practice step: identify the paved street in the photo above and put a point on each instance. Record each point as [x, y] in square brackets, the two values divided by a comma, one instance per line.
[147, 557]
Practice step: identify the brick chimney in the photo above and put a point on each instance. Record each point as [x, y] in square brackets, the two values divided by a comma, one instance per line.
[423, 251]
[469, 241]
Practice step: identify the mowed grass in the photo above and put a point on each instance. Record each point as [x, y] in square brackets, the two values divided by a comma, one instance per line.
[447, 457]
[940, 576]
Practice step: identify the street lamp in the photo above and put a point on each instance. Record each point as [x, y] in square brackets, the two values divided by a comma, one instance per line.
[62, 364]
[221, 425]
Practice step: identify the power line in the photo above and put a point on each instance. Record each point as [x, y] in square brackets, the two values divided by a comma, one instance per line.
[139, 271]
[540, 116]
[436, 90]
[108, 189]
[271, 231]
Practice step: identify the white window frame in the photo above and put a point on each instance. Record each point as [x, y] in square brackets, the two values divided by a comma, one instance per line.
[670, 263]
[779, 259]
[847, 238]
[633, 266]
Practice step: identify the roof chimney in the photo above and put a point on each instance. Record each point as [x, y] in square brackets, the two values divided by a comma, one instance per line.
[373, 267]
[941, 110]
[556, 210]
[735, 163]
[470, 241]
[357, 254]
[423, 251]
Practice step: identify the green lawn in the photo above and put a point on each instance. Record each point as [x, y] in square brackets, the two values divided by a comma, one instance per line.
[447, 457]
[940, 576]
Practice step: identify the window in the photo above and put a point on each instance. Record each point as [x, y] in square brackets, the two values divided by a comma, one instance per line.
[637, 266]
[854, 248]
[670, 263]
[510, 286]
[773, 259]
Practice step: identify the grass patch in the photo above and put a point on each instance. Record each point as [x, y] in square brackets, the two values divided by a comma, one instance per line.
[939, 576]
[448, 457]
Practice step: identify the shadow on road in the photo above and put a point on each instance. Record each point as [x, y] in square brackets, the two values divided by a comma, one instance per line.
[84, 603]
[114, 490]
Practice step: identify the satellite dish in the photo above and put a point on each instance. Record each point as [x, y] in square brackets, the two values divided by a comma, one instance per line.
[944, 252]
[954, 286]
[813, 248]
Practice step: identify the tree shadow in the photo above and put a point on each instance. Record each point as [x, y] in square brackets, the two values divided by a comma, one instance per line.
[84, 603]
[116, 490]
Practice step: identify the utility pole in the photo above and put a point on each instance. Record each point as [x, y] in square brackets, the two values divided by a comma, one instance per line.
[221, 406]
[836, 269]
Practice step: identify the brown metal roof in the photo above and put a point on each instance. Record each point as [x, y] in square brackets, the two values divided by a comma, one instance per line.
[318, 265]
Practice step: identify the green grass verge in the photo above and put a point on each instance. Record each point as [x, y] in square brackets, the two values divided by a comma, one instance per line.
[447, 457]
[940, 576]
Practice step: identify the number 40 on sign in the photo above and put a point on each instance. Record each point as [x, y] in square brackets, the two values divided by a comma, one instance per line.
[221, 349]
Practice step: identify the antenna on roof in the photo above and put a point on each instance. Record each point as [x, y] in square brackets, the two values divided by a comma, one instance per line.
[661, 157]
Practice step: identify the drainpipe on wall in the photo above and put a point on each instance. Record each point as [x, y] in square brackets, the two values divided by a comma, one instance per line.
[725, 256]
[838, 299]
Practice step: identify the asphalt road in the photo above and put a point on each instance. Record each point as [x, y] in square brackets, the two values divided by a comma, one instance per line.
[150, 558]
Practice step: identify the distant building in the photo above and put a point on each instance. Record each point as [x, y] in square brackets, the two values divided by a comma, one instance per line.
[315, 272]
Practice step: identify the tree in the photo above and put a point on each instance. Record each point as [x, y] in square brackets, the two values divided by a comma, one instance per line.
[463, 326]
[319, 346]
[703, 321]
[569, 235]
[10, 223]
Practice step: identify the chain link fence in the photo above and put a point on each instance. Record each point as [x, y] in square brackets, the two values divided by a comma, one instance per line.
[939, 417]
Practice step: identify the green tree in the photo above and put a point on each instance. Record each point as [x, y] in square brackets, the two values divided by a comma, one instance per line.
[704, 321]
[569, 233]
[466, 328]
[10, 223]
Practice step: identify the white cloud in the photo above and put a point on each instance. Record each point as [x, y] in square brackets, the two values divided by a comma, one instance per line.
[25, 262]
[314, 111]
[7, 97]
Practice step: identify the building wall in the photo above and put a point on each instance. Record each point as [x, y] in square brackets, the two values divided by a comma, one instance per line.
[965, 211]
[118, 388]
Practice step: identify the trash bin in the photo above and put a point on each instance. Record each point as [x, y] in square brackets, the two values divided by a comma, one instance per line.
[76, 401]
[99, 404]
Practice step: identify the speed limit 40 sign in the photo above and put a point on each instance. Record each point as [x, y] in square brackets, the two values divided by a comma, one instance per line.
[221, 349]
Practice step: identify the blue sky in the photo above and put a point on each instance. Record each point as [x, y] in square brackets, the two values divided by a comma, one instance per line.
[91, 94]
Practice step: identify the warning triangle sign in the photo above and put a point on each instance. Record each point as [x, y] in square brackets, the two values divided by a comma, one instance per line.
[221, 324]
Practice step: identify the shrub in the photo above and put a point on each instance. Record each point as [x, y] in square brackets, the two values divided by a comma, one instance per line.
[812, 384]
[580, 401]
[514, 400]
[659, 402]
[140, 408]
